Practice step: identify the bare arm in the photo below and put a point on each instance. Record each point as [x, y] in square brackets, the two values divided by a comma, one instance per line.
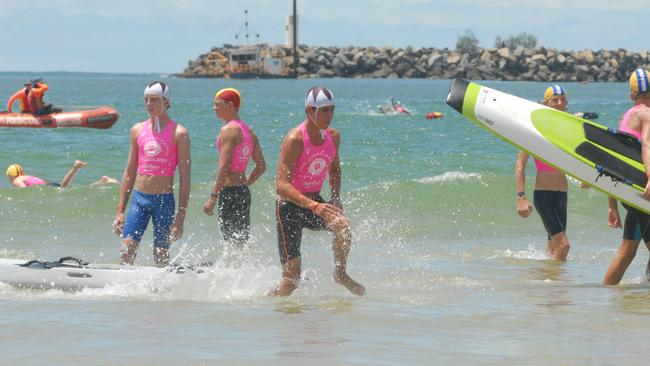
[228, 139]
[78, 164]
[524, 208]
[334, 172]
[182, 139]
[258, 159]
[520, 171]
[613, 217]
[18, 183]
[131, 170]
[128, 179]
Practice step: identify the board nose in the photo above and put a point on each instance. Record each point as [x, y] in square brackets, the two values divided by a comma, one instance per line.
[456, 94]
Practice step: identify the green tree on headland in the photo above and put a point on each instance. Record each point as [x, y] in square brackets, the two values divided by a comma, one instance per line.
[523, 39]
[467, 42]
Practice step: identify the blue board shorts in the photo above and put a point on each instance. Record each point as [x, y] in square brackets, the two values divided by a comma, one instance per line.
[160, 208]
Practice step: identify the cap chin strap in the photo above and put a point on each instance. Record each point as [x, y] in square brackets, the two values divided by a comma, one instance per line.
[322, 132]
[157, 124]
[157, 119]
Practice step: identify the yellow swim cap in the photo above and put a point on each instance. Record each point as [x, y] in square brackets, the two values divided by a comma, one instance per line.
[552, 91]
[229, 95]
[639, 82]
[15, 170]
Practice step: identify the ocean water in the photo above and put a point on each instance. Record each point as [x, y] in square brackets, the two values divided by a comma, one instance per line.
[453, 274]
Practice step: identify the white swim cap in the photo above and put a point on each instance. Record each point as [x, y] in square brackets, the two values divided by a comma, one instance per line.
[157, 88]
[319, 96]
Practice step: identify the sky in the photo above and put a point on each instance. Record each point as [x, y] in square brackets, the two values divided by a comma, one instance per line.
[161, 36]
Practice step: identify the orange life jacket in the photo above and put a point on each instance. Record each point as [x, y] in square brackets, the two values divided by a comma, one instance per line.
[36, 96]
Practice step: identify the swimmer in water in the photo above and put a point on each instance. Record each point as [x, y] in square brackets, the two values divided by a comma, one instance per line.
[17, 177]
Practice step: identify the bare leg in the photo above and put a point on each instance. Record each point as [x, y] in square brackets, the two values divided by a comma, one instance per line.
[78, 164]
[560, 246]
[647, 267]
[290, 278]
[129, 250]
[104, 180]
[550, 248]
[161, 256]
[624, 257]
[341, 247]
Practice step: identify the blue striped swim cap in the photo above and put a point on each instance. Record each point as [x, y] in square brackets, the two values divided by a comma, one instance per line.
[639, 82]
[552, 91]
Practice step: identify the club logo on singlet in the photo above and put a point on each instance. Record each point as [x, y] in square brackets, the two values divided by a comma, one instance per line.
[152, 148]
[246, 150]
[317, 166]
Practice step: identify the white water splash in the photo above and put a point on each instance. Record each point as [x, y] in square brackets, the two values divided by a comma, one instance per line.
[450, 177]
[531, 253]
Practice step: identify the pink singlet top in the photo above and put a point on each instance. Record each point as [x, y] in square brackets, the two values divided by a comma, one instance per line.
[242, 153]
[312, 165]
[622, 126]
[32, 181]
[543, 167]
[157, 153]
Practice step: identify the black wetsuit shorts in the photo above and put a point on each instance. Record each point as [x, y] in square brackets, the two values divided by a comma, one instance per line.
[551, 207]
[235, 214]
[636, 225]
[291, 219]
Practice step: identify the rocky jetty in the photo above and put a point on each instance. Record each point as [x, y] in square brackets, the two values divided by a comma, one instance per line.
[538, 64]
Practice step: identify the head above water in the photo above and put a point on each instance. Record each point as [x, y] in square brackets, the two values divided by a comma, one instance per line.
[157, 88]
[15, 170]
[555, 97]
[552, 91]
[160, 90]
[229, 95]
[319, 96]
[639, 82]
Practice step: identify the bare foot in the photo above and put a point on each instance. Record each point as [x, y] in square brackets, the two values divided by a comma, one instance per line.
[284, 288]
[353, 286]
[78, 164]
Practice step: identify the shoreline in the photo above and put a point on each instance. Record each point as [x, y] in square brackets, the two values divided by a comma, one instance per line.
[520, 64]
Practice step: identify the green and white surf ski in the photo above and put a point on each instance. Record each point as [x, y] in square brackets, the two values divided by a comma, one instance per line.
[607, 160]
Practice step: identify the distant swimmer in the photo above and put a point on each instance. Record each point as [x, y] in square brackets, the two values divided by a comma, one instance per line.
[550, 195]
[158, 146]
[237, 144]
[636, 122]
[309, 153]
[18, 178]
[393, 107]
[399, 108]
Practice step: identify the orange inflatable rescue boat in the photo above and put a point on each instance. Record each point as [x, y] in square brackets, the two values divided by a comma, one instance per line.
[100, 117]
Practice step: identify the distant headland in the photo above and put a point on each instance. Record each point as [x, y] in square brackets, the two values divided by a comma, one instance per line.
[504, 63]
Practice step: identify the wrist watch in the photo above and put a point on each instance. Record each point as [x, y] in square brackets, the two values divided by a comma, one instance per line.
[521, 194]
